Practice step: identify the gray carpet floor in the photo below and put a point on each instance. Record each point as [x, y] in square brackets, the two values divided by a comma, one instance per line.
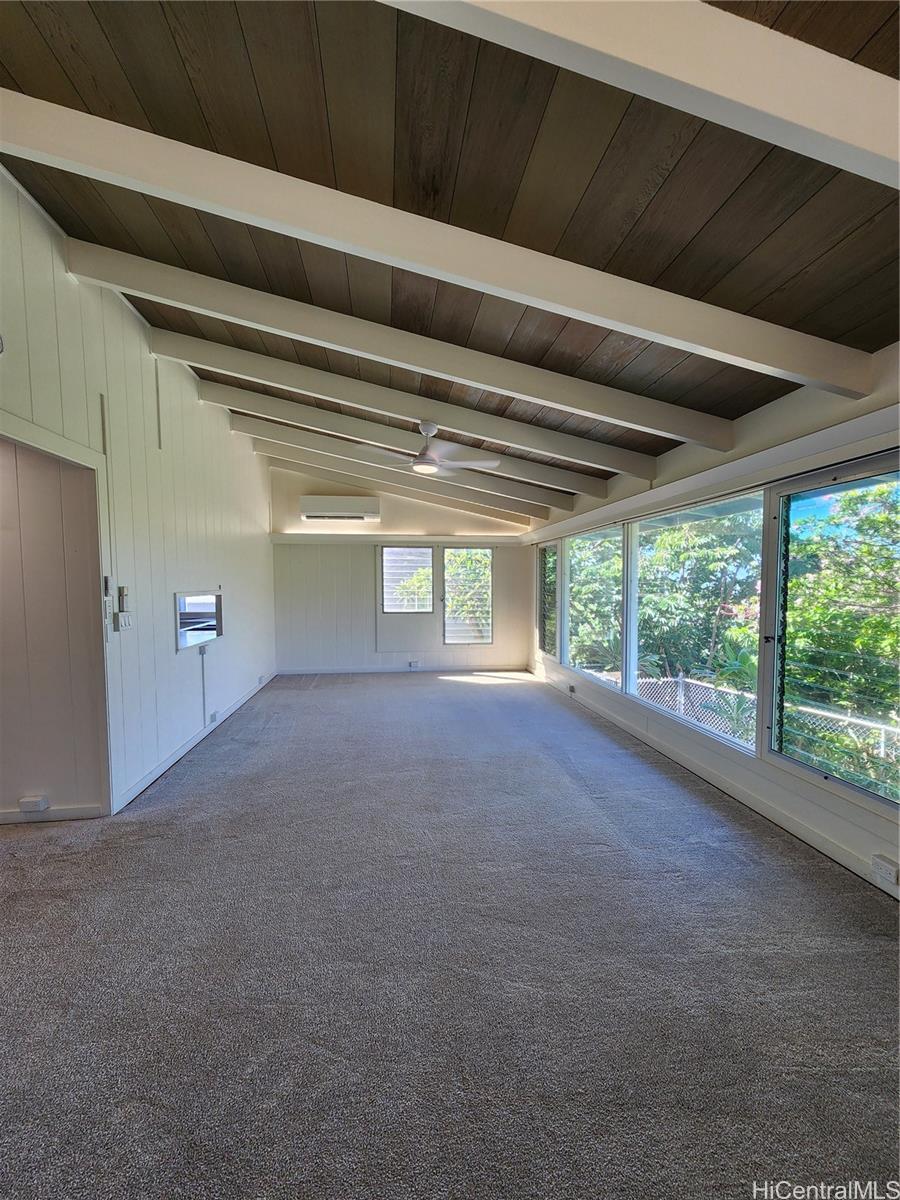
[436, 937]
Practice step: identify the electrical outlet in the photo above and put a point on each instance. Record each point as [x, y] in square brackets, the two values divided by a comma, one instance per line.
[414, 664]
[213, 717]
[261, 679]
[884, 870]
[571, 689]
[33, 804]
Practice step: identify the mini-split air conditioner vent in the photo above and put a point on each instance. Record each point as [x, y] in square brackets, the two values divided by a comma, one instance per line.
[340, 508]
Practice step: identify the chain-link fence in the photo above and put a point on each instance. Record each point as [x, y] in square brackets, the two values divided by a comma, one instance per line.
[857, 750]
[722, 709]
[733, 713]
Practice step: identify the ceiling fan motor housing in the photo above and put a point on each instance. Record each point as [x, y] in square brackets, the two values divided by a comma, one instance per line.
[425, 463]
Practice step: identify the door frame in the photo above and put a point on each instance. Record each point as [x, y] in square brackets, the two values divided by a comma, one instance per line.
[23, 433]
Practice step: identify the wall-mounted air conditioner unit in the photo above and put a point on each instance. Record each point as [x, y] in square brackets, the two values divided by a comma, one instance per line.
[340, 508]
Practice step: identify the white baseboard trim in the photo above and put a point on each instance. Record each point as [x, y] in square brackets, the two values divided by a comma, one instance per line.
[142, 784]
[395, 670]
[729, 785]
[72, 812]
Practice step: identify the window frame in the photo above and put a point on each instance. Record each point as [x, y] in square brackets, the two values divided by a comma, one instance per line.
[468, 546]
[770, 619]
[563, 591]
[556, 545]
[630, 616]
[403, 612]
[772, 492]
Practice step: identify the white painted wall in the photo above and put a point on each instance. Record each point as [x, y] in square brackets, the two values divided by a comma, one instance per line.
[183, 503]
[399, 516]
[326, 606]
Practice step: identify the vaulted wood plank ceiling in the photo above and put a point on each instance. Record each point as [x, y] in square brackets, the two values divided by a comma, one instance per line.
[407, 112]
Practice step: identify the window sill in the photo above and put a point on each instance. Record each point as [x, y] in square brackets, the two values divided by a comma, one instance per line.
[862, 797]
[869, 802]
[684, 723]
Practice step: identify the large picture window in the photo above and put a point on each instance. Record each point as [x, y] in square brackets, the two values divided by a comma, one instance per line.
[407, 579]
[547, 599]
[838, 637]
[468, 596]
[595, 604]
[698, 595]
[669, 607]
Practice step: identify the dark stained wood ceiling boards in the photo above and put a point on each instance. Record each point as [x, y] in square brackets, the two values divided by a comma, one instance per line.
[375, 102]
[863, 31]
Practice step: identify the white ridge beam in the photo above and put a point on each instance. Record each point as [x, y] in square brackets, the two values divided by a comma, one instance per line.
[144, 162]
[275, 372]
[336, 331]
[464, 484]
[373, 477]
[286, 412]
[701, 60]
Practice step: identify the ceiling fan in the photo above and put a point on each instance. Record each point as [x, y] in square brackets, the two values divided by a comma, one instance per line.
[438, 457]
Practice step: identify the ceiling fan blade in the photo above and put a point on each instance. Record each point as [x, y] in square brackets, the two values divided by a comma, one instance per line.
[393, 455]
[476, 464]
[463, 457]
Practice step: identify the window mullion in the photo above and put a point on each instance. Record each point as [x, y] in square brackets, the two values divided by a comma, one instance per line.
[563, 593]
[559, 567]
[768, 620]
[629, 607]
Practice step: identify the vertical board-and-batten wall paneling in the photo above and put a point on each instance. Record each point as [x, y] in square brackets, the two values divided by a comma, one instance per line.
[183, 504]
[326, 605]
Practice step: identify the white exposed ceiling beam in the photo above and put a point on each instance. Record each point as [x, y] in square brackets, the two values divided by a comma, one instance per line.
[384, 481]
[372, 397]
[336, 331]
[144, 162]
[286, 412]
[353, 452]
[461, 485]
[701, 60]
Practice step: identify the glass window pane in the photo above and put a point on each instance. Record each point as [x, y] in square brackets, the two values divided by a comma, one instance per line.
[467, 596]
[199, 618]
[547, 556]
[407, 579]
[837, 695]
[698, 585]
[595, 604]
